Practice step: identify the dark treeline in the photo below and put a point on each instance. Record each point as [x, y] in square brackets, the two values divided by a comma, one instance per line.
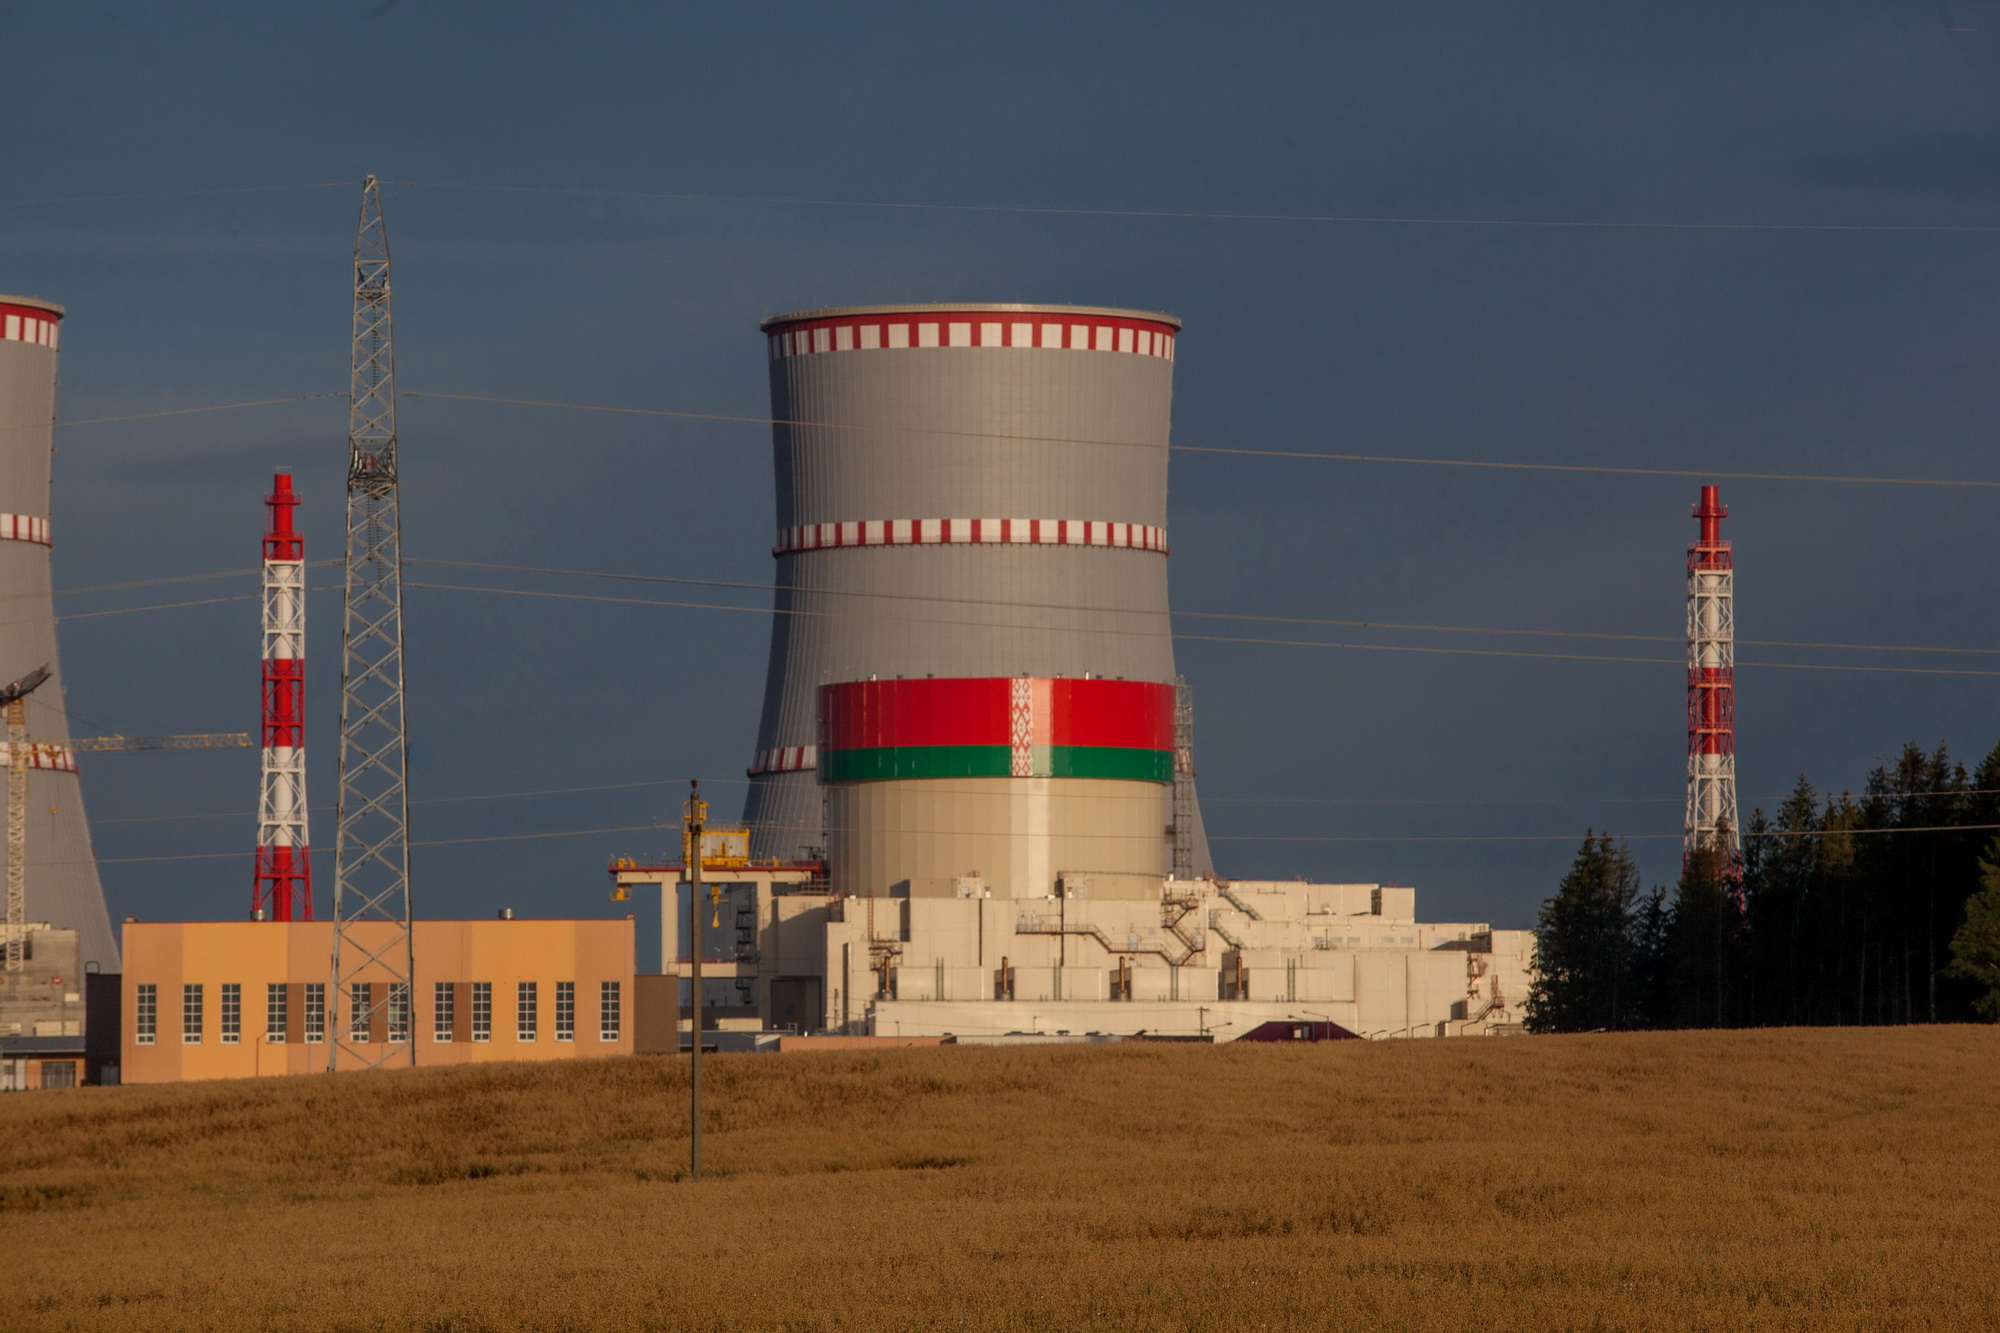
[1876, 909]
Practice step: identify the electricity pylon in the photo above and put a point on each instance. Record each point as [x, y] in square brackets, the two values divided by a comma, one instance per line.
[373, 957]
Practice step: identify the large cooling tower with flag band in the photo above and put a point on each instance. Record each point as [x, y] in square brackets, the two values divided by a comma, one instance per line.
[62, 884]
[972, 665]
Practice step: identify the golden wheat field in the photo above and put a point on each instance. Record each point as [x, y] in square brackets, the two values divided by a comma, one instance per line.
[1741, 1180]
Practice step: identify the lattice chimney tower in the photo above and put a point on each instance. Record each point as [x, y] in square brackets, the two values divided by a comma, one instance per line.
[284, 854]
[1711, 697]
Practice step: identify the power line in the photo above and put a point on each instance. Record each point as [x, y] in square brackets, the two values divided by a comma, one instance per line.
[424, 842]
[1197, 638]
[171, 194]
[1306, 455]
[1246, 837]
[1207, 800]
[1195, 615]
[158, 606]
[439, 800]
[1309, 455]
[1502, 631]
[1347, 219]
[1622, 837]
[192, 411]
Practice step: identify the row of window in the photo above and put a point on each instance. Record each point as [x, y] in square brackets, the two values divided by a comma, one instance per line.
[376, 1012]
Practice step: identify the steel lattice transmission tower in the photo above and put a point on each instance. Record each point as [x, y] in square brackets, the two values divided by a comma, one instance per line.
[373, 959]
[1711, 697]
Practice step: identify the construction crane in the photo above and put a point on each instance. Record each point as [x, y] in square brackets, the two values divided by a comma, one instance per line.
[23, 755]
[207, 740]
[19, 755]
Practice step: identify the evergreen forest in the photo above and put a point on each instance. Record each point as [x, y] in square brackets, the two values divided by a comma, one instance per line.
[1881, 908]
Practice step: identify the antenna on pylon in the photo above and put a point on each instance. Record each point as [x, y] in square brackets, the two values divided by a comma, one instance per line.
[283, 885]
[1711, 698]
[373, 958]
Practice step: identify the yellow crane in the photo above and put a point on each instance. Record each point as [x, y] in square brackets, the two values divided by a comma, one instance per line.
[23, 755]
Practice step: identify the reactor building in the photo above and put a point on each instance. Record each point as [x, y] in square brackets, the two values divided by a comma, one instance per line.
[62, 888]
[971, 806]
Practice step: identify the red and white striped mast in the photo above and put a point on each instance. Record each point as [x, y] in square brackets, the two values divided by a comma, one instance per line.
[1711, 698]
[284, 854]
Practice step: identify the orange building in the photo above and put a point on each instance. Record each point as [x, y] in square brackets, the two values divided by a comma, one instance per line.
[238, 999]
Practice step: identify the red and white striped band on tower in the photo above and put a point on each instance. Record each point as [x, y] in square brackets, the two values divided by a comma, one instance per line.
[890, 332]
[282, 886]
[26, 324]
[785, 759]
[42, 754]
[22, 528]
[957, 531]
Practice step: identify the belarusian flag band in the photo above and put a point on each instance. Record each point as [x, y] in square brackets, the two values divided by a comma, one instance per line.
[1018, 726]
[995, 761]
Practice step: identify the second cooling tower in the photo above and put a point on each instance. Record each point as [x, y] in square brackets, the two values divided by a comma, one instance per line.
[972, 669]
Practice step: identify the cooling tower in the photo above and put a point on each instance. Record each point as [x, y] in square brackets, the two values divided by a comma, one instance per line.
[63, 889]
[972, 670]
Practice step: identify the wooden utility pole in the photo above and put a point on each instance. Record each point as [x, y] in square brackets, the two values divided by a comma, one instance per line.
[696, 815]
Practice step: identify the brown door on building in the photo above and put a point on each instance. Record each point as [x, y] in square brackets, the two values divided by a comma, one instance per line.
[796, 1004]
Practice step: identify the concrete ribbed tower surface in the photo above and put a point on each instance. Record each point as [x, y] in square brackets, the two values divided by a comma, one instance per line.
[971, 667]
[62, 887]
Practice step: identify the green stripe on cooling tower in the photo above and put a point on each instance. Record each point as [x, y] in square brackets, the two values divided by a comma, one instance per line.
[995, 761]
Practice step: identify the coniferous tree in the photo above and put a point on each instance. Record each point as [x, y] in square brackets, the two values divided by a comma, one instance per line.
[1652, 984]
[1704, 937]
[1975, 946]
[1781, 894]
[1583, 943]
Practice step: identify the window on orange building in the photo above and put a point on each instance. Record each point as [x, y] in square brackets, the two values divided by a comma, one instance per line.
[145, 1014]
[315, 1012]
[527, 1011]
[565, 1011]
[610, 1018]
[360, 1006]
[444, 1010]
[399, 1011]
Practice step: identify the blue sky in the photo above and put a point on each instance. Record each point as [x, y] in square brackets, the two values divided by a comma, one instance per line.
[1743, 350]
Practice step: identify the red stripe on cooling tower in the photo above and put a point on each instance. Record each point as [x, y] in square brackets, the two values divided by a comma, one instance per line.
[784, 759]
[28, 324]
[879, 714]
[22, 528]
[971, 531]
[918, 329]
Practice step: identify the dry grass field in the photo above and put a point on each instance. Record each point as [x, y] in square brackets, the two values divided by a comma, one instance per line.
[1751, 1180]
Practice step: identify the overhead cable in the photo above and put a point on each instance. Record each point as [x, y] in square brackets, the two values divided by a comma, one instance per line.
[1347, 219]
[1302, 454]
[1195, 615]
[1196, 638]
[669, 827]
[172, 194]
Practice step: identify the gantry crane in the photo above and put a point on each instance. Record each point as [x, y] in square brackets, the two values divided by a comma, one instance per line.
[23, 755]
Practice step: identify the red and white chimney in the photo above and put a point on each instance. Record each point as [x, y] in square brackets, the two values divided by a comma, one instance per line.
[284, 857]
[1711, 691]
